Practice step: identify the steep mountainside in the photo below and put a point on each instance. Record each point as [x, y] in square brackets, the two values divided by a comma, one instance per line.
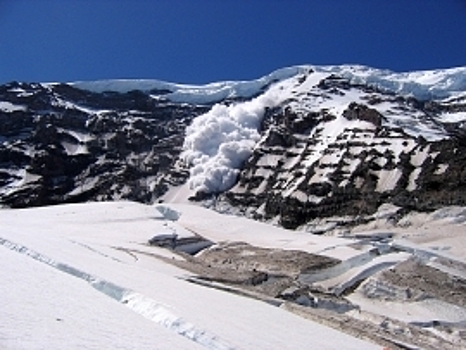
[300, 143]
[62, 144]
[338, 148]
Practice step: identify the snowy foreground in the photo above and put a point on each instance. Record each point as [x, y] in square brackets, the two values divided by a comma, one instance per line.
[83, 276]
[71, 278]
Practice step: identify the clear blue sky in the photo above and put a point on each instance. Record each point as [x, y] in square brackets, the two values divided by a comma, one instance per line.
[199, 41]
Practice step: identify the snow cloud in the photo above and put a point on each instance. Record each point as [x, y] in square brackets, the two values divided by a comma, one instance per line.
[218, 142]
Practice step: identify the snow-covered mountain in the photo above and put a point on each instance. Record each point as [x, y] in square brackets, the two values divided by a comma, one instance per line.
[301, 143]
[373, 162]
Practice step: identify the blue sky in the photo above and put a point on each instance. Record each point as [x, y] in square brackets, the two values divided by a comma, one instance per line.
[199, 41]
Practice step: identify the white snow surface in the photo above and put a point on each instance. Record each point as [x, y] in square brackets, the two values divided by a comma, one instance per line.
[453, 117]
[198, 94]
[9, 107]
[426, 84]
[439, 83]
[81, 276]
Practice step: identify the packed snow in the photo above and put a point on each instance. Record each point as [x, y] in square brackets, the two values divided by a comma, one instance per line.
[46, 309]
[440, 83]
[9, 107]
[91, 281]
[83, 276]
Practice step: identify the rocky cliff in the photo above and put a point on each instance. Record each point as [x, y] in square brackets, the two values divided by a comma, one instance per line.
[299, 144]
[344, 149]
[62, 144]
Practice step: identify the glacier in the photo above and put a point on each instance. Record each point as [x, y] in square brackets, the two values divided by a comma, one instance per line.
[437, 84]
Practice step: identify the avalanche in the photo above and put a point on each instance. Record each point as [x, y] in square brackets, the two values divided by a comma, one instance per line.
[220, 141]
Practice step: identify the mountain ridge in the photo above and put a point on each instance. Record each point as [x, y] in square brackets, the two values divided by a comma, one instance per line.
[446, 80]
[299, 143]
[357, 194]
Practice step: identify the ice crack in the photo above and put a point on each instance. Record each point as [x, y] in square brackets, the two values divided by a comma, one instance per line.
[137, 302]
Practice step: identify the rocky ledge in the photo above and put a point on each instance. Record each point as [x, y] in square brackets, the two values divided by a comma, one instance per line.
[321, 157]
[59, 144]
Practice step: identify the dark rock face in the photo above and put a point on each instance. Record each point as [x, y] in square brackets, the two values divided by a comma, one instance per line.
[362, 112]
[63, 144]
[307, 165]
[332, 149]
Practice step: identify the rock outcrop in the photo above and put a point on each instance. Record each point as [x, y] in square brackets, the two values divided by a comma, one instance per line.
[60, 144]
[315, 160]
[330, 145]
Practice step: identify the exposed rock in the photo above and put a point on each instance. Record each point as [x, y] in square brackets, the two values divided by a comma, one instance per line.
[334, 148]
[362, 112]
[71, 145]
[329, 166]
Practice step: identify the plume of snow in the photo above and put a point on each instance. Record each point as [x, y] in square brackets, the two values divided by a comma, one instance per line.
[218, 142]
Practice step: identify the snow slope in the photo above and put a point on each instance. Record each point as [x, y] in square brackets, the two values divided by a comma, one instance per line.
[196, 94]
[441, 83]
[218, 142]
[82, 276]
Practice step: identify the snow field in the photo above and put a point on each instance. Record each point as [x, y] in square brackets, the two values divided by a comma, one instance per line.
[441, 83]
[105, 243]
[42, 308]
[8, 107]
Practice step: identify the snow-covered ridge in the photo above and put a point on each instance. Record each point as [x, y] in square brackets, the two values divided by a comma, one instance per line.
[436, 84]
[426, 84]
[198, 94]
[220, 141]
